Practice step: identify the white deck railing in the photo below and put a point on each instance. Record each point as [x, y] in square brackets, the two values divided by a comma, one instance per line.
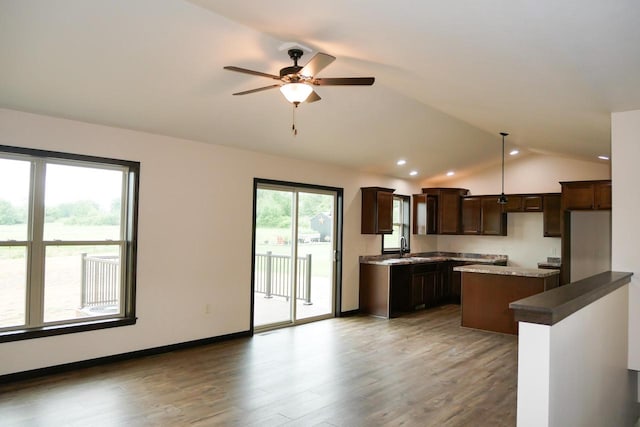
[273, 275]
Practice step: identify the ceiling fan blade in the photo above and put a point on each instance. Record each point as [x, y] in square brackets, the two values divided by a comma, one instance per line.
[316, 64]
[254, 73]
[313, 97]
[340, 81]
[260, 89]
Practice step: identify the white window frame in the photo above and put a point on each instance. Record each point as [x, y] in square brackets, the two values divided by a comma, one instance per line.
[36, 246]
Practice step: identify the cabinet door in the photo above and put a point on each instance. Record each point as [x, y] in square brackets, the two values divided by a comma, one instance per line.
[417, 290]
[385, 212]
[471, 215]
[532, 203]
[425, 213]
[449, 212]
[432, 215]
[602, 195]
[494, 221]
[431, 289]
[445, 284]
[419, 214]
[552, 215]
[577, 195]
[514, 204]
[377, 210]
[455, 282]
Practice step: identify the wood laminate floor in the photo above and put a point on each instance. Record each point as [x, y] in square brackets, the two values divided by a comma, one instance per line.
[419, 370]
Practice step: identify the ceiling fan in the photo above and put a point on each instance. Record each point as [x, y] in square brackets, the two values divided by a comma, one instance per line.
[296, 82]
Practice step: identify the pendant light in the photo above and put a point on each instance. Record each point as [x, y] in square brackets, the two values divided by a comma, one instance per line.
[502, 200]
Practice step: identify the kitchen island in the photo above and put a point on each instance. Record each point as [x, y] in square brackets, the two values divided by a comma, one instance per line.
[487, 291]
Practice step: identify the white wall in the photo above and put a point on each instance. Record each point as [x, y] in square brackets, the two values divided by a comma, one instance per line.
[625, 154]
[574, 372]
[590, 385]
[195, 219]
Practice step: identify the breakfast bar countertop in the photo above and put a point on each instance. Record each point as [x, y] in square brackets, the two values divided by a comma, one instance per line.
[508, 271]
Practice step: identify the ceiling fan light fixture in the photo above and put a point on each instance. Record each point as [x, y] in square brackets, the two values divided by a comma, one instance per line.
[296, 92]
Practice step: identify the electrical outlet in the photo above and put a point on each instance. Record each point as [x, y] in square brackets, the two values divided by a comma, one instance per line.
[207, 309]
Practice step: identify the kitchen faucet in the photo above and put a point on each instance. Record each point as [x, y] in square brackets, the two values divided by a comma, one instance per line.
[404, 246]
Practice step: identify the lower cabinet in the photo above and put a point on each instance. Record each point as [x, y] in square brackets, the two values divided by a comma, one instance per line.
[388, 291]
[428, 287]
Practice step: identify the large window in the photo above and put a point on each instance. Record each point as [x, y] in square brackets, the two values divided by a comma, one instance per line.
[67, 242]
[391, 242]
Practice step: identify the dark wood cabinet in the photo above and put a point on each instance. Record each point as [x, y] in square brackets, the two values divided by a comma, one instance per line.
[425, 214]
[532, 203]
[454, 279]
[523, 203]
[417, 291]
[449, 218]
[427, 285]
[377, 210]
[471, 215]
[514, 203]
[494, 221]
[483, 215]
[552, 215]
[586, 195]
[602, 195]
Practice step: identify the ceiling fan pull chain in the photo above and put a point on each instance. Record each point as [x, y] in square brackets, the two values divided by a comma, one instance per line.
[293, 119]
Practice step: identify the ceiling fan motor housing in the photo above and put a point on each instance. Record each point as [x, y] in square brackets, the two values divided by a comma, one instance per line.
[292, 72]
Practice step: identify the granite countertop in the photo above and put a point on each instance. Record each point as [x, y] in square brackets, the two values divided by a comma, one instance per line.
[427, 257]
[508, 271]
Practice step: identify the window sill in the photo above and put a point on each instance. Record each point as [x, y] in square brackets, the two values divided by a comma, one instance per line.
[48, 331]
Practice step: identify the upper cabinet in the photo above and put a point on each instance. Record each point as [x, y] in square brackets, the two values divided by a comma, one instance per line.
[377, 210]
[523, 203]
[552, 215]
[471, 215]
[494, 220]
[483, 215]
[449, 200]
[425, 214]
[602, 195]
[586, 195]
[453, 211]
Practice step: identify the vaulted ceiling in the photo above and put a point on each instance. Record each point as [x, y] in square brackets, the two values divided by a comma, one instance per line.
[450, 75]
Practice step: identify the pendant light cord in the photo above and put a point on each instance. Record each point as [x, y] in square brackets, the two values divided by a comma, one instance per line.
[503, 164]
[502, 199]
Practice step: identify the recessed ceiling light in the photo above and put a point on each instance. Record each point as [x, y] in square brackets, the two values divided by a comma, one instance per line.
[451, 173]
[413, 173]
[603, 157]
[401, 162]
[514, 152]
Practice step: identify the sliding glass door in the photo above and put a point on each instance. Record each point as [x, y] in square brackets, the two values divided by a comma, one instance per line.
[295, 243]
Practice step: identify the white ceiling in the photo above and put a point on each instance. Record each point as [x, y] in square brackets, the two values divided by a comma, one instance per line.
[450, 75]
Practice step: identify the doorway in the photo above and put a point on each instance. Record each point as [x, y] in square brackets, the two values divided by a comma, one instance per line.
[296, 252]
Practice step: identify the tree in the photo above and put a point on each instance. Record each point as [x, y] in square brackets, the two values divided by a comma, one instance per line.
[10, 215]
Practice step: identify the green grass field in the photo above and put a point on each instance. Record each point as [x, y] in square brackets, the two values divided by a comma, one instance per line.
[267, 239]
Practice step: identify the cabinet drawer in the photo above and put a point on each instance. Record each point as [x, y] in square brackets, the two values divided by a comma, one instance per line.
[424, 268]
[532, 203]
